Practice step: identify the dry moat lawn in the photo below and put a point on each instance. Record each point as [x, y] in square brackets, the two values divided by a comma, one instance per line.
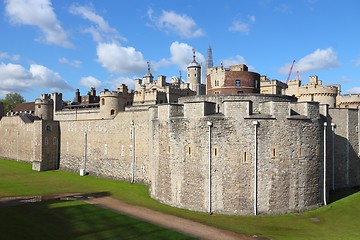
[338, 220]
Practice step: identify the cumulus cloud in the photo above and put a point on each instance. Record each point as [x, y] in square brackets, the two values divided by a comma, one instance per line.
[4, 55]
[170, 21]
[115, 83]
[118, 59]
[101, 28]
[90, 82]
[237, 60]
[241, 26]
[47, 78]
[319, 59]
[72, 63]
[41, 15]
[182, 55]
[16, 78]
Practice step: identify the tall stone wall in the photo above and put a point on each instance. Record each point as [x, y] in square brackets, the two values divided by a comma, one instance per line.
[29, 140]
[344, 164]
[118, 148]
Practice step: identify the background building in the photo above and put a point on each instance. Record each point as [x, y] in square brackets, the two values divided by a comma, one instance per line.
[233, 80]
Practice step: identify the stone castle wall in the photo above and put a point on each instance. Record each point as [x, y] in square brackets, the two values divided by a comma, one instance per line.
[29, 140]
[110, 146]
[344, 167]
[182, 152]
[170, 147]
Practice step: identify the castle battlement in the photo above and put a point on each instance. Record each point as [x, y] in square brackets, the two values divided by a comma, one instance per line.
[107, 93]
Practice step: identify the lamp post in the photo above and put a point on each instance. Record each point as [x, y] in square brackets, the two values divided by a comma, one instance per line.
[255, 123]
[333, 126]
[209, 124]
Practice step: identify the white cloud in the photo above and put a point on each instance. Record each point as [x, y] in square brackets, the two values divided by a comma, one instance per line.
[237, 60]
[72, 63]
[170, 21]
[129, 82]
[118, 59]
[47, 78]
[90, 82]
[319, 59]
[101, 29]
[4, 55]
[182, 55]
[241, 26]
[354, 90]
[40, 14]
[16, 78]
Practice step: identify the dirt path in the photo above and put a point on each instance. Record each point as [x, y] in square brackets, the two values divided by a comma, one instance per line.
[185, 226]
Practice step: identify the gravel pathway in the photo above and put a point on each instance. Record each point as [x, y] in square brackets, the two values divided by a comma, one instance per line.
[185, 226]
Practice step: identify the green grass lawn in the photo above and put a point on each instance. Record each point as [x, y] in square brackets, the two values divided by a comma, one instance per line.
[339, 220]
[75, 220]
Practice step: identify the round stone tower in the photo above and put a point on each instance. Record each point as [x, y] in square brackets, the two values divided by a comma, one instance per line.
[111, 102]
[44, 107]
[194, 75]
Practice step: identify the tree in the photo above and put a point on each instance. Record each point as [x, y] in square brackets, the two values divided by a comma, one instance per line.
[11, 100]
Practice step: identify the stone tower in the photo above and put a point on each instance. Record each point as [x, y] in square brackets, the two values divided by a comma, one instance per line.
[148, 78]
[111, 102]
[194, 75]
[44, 107]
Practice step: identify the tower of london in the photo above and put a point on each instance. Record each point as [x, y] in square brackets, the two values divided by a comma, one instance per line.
[225, 147]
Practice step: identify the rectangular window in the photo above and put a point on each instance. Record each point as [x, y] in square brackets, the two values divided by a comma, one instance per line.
[189, 151]
[215, 152]
[273, 153]
[245, 157]
[169, 149]
[237, 83]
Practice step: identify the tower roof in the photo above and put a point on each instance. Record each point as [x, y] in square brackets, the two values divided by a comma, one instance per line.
[194, 63]
[148, 74]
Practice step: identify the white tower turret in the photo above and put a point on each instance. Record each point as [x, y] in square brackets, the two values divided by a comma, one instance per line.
[194, 75]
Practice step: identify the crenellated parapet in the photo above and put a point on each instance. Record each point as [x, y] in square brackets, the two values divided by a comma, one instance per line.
[349, 101]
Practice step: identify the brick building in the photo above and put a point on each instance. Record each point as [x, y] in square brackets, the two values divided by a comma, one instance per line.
[233, 80]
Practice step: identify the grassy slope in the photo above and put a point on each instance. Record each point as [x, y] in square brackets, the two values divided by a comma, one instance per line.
[339, 220]
[75, 220]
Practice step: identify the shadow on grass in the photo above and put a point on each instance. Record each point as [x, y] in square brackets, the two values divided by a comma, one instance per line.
[13, 201]
[69, 219]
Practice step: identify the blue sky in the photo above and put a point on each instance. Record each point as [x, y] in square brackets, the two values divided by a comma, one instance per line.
[58, 46]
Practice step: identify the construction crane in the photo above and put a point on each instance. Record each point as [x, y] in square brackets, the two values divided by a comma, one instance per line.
[290, 71]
